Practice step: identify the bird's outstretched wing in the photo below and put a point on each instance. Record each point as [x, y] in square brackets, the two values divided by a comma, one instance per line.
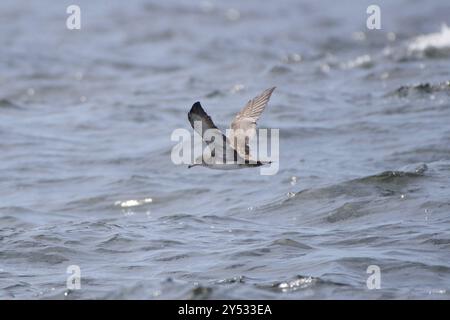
[197, 114]
[245, 122]
[219, 146]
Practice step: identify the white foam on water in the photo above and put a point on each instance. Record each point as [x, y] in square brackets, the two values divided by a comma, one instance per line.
[437, 40]
[133, 203]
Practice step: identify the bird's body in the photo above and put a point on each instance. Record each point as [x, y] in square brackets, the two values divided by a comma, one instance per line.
[232, 152]
[228, 166]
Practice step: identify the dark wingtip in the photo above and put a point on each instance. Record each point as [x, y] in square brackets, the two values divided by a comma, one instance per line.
[196, 107]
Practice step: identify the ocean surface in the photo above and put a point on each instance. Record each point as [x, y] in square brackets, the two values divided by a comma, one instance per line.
[86, 176]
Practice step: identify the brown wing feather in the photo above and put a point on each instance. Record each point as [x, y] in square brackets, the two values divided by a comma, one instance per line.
[245, 121]
[254, 107]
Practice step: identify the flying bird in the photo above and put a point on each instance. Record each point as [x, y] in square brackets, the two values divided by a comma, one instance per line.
[232, 151]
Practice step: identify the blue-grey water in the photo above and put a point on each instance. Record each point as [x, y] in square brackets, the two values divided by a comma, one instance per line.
[86, 176]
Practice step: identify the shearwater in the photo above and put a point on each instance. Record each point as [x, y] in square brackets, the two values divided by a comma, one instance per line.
[232, 151]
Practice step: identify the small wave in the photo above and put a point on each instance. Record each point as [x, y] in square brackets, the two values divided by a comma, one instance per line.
[387, 176]
[160, 244]
[238, 279]
[432, 153]
[180, 218]
[298, 283]
[214, 94]
[279, 70]
[116, 239]
[361, 187]
[49, 258]
[200, 293]
[433, 44]
[350, 199]
[291, 243]
[364, 61]
[422, 88]
[7, 104]
[349, 210]
[173, 257]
